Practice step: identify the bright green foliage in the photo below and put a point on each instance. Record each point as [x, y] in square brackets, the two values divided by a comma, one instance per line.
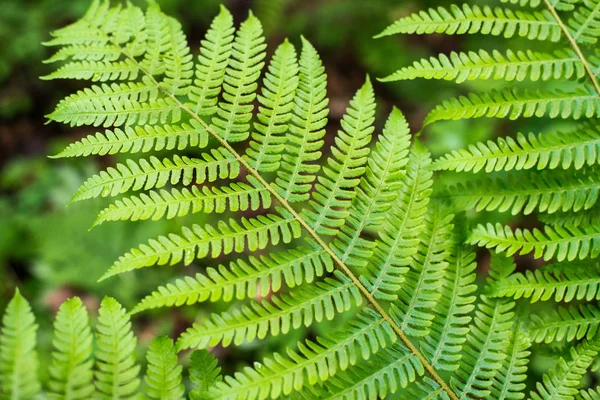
[457, 20]
[400, 232]
[71, 373]
[18, 357]
[562, 381]
[561, 282]
[334, 191]
[302, 306]
[547, 191]
[574, 149]
[72, 362]
[568, 323]
[563, 243]
[163, 377]
[116, 368]
[204, 373]
[362, 232]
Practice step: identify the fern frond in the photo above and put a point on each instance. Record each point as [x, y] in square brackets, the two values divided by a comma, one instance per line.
[513, 66]
[384, 374]
[242, 279]
[316, 361]
[562, 243]
[97, 71]
[154, 173]
[163, 377]
[138, 139]
[443, 345]
[423, 286]
[234, 112]
[178, 61]
[157, 40]
[566, 283]
[204, 374]
[112, 111]
[563, 380]
[465, 19]
[566, 323]
[528, 192]
[177, 203]
[116, 367]
[323, 300]
[334, 191]
[584, 24]
[71, 372]
[304, 139]
[18, 357]
[509, 382]
[376, 192]
[589, 394]
[581, 218]
[399, 235]
[213, 59]
[573, 149]
[199, 242]
[513, 104]
[485, 350]
[275, 110]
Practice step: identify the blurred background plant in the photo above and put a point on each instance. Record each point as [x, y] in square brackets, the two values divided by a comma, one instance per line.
[50, 254]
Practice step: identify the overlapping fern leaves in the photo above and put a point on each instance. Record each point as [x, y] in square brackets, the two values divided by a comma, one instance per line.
[551, 174]
[361, 234]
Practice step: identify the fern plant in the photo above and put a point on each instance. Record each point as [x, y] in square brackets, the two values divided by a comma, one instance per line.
[362, 234]
[551, 174]
[86, 365]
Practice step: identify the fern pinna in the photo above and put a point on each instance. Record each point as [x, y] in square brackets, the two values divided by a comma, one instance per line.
[552, 174]
[362, 234]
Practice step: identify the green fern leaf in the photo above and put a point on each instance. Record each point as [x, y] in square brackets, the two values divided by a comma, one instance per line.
[178, 61]
[485, 349]
[581, 218]
[163, 377]
[235, 110]
[275, 110]
[177, 203]
[509, 382]
[382, 375]
[199, 242]
[304, 139]
[204, 374]
[467, 19]
[116, 367]
[422, 288]
[528, 192]
[563, 282]
[18, 357]
[335, 188]
[212, 62]
[449, 327]
[566, 323]
[316, 361]
[157, 41]
[399, 235]
[573, 149]
[71, 370]
[513, 104]
[97, 71]
[584, 25]
[589, 394]
[563, 380]
[376, 192]
[154, 173]
[514, 66]
[243, 279]
[568, 242]
[139, 139]
[324, 300]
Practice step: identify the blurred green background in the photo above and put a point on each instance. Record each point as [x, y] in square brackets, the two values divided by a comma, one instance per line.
[46, 248]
